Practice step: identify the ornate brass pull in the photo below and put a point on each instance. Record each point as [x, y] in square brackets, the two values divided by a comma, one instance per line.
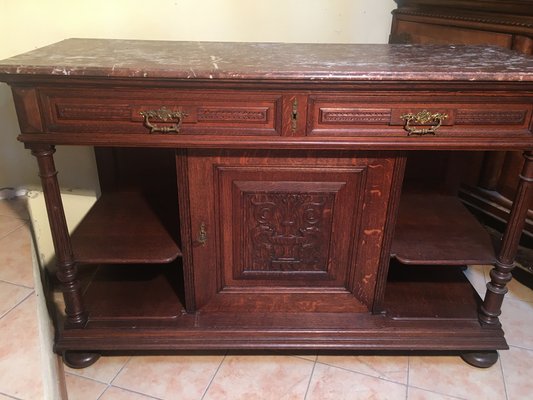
[163, 115]
[202, 235]
[423, 118]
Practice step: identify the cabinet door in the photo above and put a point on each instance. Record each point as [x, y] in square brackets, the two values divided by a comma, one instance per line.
[289, 231]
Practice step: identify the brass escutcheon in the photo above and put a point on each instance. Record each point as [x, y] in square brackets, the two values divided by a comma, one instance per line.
[423, 118]
[202, 235]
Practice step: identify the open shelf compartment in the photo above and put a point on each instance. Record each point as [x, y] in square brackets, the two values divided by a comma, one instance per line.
[122, 228]
[436, 229]
[409, 320]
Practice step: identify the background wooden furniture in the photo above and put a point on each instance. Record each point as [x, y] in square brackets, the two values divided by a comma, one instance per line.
[489, 182]
[263, 205]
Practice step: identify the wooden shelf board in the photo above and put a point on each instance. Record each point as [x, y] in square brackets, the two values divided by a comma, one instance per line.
[438, 230]
[122, 228]
[135, 293]
[422, 293]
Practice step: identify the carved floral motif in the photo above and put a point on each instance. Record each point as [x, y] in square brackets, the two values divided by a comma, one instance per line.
[289, 231]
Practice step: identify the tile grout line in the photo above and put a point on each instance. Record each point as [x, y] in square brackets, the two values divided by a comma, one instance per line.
[13, 230]
[310, 378]
[360, 373]
[452, 396]
[214, 375]
[17, 284]
[520, 347]
[18, 304]
[503, 377]
[11, 397]
[408, 377]
[120, 370]
[130, 391]
[108, 384]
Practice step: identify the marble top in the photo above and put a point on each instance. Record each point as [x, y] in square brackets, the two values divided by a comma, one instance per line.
[278, 61]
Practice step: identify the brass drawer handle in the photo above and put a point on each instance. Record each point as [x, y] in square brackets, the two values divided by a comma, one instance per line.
[423, 118]
[163, 115]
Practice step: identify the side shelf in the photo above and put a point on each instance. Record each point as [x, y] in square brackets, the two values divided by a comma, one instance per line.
[435, 229]
[134, 294]
[121, 228]
[420, 292]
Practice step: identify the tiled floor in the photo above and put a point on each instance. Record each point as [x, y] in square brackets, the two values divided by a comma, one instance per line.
[243, 376]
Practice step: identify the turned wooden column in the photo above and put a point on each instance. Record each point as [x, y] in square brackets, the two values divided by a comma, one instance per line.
[501, 273]
[66, 266]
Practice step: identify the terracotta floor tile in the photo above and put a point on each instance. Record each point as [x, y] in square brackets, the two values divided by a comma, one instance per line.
[169, 377]
[518, 291]
[14, 208]
[517, 321]
[20, 359]
[79, 388]
[8, 225]
[449, 375]
[248, 377]
[114, 393]
[331, 383]
[419, 394]
[15, 257]
[391, 368]
[104, 370]
[11, 295]
[517, 365]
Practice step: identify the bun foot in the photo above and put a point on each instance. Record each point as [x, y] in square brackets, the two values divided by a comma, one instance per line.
[480, 359]
[78, 359]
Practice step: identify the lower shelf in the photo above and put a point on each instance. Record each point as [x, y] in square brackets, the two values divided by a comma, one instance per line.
[432, 311]
[135, 293]
[434, 229]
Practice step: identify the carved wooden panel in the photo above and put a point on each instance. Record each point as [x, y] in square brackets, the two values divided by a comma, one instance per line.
[286, 231]
[290, 224]
[287, 224]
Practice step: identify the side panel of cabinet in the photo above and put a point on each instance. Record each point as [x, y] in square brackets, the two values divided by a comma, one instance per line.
[289, 231]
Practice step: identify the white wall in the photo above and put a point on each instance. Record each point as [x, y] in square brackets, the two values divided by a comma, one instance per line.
[28, 24]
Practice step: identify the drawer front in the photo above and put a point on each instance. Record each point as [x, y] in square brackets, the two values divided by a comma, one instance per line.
[329, 116]
[161, 111]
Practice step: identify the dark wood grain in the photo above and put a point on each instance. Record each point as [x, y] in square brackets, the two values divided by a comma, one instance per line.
[121, 228]
[437, 229]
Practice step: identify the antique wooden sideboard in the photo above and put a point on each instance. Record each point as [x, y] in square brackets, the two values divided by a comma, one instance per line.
[253, 194]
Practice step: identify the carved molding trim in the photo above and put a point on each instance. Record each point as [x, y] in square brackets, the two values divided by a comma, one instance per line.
[474, 117]
[354, 116]
[81, 112]
[482, 20]
[236, 114]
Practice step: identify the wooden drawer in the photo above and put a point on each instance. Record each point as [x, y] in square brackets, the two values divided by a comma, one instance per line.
[202, 112]
[372, 116]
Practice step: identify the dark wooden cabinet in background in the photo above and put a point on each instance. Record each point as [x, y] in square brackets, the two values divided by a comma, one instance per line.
[488, 182]
[253, 195]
